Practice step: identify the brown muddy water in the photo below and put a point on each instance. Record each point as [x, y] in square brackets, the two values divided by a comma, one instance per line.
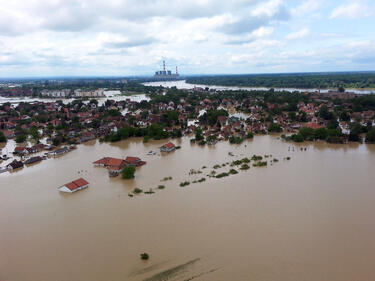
[310, 218]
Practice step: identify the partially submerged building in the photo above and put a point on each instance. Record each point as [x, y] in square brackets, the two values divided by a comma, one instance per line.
[74, 186]
[168, 147]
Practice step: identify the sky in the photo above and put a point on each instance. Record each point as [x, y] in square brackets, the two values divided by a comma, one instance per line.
[41, 38]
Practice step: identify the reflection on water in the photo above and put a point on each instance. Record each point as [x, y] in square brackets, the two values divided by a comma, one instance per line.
[310, 218]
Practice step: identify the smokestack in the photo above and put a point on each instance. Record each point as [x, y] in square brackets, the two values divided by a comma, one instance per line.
[163, 65]
[176, 70]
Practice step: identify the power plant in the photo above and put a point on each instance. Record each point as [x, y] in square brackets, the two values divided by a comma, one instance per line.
[166, 74]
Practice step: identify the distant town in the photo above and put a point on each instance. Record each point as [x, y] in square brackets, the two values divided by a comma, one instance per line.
[206, 116]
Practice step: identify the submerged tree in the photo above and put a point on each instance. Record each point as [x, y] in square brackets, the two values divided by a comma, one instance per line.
[128, 172]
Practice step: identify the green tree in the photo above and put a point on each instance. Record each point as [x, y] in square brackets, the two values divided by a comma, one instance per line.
[34, 133]
[321, 133]
[128, 172]
[275, 128]
[20, 138]
[2, 137]
[307, 133]
[198, 134]
[370, 136]
[355, 132]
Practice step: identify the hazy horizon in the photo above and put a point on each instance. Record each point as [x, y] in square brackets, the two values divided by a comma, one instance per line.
[181, 76]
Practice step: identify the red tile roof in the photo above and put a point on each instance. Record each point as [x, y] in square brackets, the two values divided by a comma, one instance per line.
[76, 184]
[131, 159]
[169, 145]
[109, 161]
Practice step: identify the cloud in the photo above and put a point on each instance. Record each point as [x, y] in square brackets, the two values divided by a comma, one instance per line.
[130, 37]
[130, 43]
[307, 7]
[263, 14]
[298, 34]
[352, 10]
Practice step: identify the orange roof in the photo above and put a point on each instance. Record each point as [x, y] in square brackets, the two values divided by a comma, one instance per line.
[80, 182]
[169, 145]
[76, 184]
[131, 159]
[114, 162]
[109, 161]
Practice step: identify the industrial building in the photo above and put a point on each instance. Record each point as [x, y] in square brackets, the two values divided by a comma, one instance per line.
[166, 74]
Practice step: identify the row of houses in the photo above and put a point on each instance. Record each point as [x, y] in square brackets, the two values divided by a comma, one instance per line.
[16, 164]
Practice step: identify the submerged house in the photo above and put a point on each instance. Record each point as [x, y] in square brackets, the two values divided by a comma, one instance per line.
[74, 186]
[60, 151]
[168, 147]
[114, 165]
[15, 165]
[20, 150]
[134, 161]
[33, 160]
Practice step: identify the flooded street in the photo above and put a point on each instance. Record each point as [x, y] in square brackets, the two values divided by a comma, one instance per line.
[310, 218]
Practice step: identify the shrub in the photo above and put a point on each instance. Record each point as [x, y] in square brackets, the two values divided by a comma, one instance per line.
[244, 167]
[233, 172]
[137, 190]
[236, 163]
[185, 183]
[144, 256]
[150, 191]
[235, 140]
[161, 186]
[222, 175]
[201, 180]
[256, 157]
[249, 135]
[245, 160]
[260, 164]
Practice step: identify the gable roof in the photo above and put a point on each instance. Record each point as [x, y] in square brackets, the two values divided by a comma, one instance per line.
[131, 159]
[169, 145]
[76, 184]
[109, 161]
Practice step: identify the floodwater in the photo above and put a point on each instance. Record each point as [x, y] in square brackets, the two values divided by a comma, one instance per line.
[181, 84]
[310, 218]
[112, 95]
